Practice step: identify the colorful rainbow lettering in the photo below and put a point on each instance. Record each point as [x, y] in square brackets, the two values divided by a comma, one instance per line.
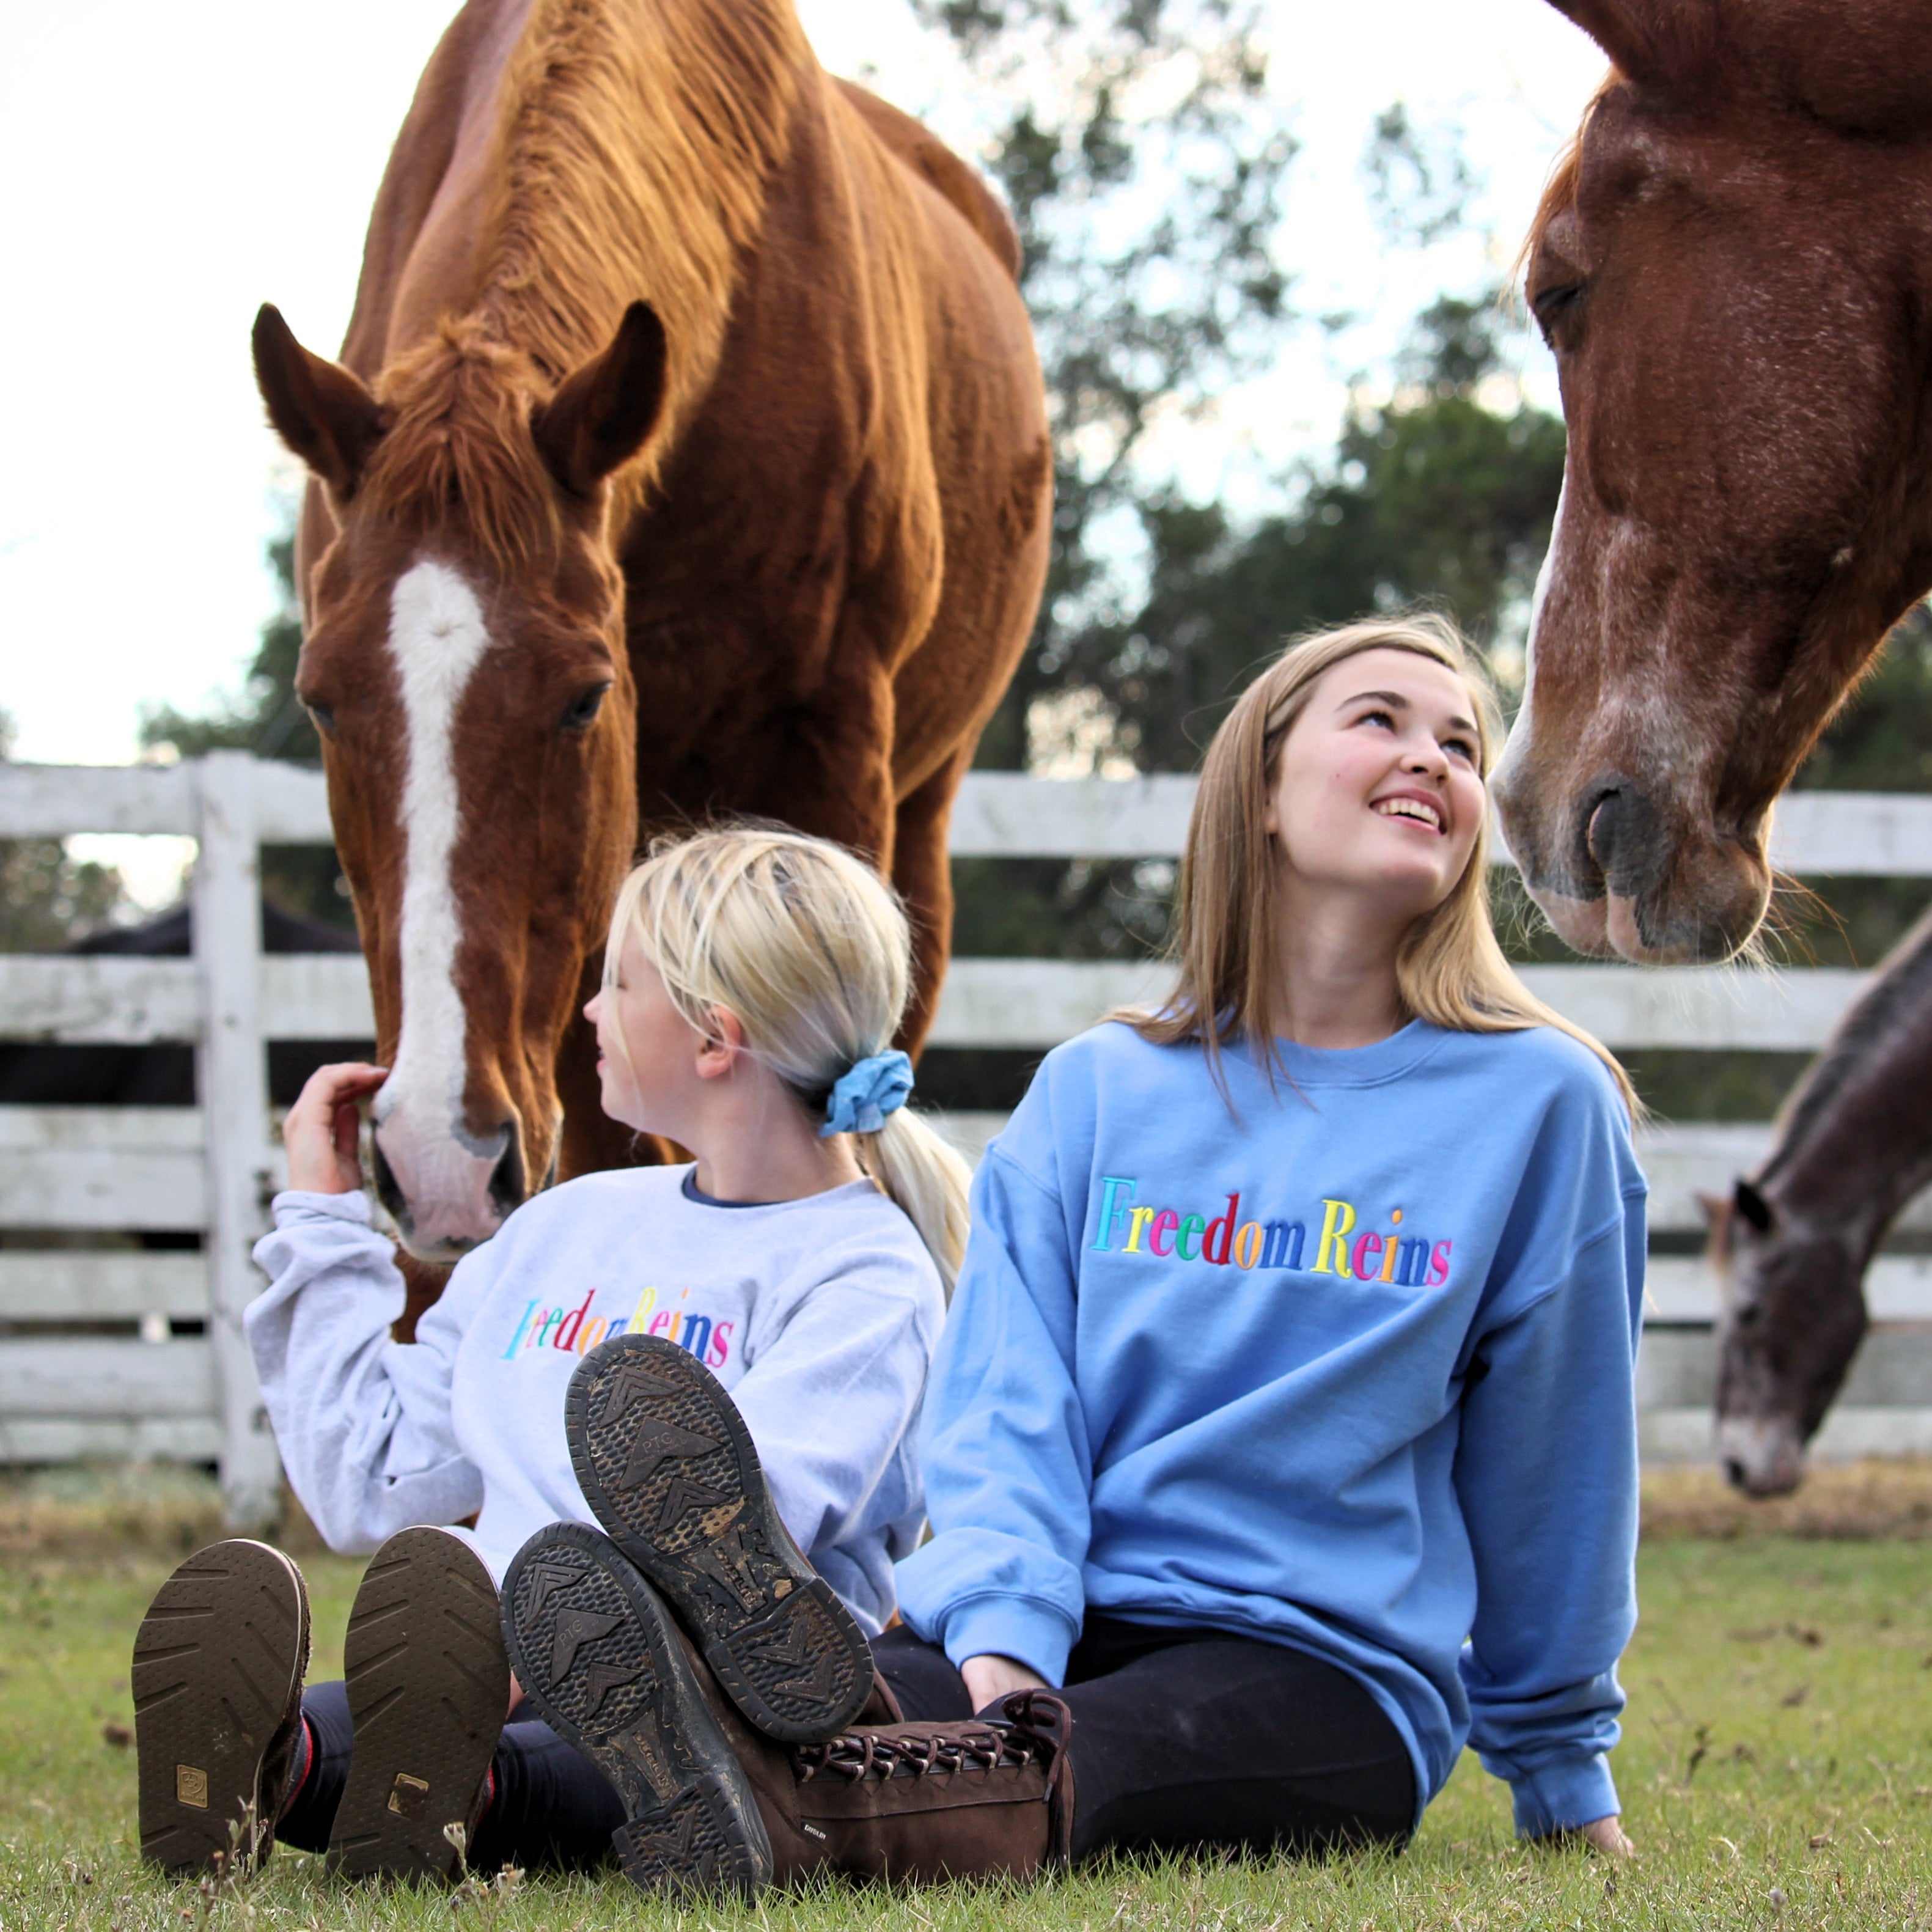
[570, 1330]
[1341, 1247]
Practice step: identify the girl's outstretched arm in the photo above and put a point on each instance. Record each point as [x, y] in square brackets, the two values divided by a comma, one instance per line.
[362, 1422]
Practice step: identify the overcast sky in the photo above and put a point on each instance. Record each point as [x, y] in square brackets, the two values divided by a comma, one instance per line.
[168, 168]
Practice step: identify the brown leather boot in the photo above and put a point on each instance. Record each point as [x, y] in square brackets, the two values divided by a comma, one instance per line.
[917, 1802]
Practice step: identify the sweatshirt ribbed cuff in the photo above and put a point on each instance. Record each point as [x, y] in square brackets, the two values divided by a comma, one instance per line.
[351, 1206]
[1565, 1795]
[1030, 1632]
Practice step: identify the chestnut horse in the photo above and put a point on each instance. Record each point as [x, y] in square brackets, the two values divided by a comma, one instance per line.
[687, 455]
[1733, 266]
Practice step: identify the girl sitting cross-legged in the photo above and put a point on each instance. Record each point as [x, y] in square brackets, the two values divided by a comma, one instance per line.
[753, 982]
[1284, 1416]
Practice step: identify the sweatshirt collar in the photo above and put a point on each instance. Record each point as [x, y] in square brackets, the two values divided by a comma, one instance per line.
[690, 1189]
[1404, 1050]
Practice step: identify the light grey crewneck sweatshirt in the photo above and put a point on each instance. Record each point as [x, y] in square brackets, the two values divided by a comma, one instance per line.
[819, 1315]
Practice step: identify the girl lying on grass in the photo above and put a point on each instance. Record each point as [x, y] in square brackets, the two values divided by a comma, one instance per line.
[753, 982]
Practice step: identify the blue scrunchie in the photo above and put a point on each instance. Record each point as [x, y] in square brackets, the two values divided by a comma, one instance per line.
[860, 1101]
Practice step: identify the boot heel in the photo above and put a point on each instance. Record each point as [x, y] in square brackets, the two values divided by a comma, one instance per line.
[697, 1842]
[791, 1670]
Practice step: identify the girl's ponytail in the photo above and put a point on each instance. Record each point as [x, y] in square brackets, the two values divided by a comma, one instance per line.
[811, 949]
[928, 1180]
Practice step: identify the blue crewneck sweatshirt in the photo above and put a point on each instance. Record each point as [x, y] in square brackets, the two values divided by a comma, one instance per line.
[1348, 1366]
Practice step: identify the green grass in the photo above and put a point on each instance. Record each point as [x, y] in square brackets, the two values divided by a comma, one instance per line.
[1777, 1771]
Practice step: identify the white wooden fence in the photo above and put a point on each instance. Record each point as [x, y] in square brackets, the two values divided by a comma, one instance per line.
[141, 1389]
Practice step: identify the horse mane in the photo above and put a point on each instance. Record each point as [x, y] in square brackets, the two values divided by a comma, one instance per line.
[633, 142]
[1865, 1044]
[632, 146]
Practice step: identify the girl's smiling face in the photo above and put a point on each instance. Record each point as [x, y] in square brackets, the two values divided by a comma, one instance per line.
[1379, 795]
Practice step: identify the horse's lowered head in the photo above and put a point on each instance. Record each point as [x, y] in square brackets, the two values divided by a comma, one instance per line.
[1793, 1316]
[464, 660]
[1734, 270]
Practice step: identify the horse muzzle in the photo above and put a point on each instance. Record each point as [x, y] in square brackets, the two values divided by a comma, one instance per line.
[447, 1189]
[1621, 871]
[1761, 1455]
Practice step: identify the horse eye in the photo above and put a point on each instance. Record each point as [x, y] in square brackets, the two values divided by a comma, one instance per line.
[322, 714]
[580, 713]
[1548, 305]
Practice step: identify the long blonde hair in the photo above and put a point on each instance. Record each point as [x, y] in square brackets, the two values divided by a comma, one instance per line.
[810, 948]
[1451, 969]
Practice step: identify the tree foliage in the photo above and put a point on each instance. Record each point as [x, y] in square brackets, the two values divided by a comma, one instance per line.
[266, 717]
[1143, 164]
[47, 900]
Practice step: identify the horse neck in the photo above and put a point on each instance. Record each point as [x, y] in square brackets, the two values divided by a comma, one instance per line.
[1855, 1143]
[634, 142]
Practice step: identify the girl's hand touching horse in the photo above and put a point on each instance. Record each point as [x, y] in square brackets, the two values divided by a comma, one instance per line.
[321, 1129]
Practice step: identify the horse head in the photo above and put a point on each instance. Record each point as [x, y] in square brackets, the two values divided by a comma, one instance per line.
[1732, 269]
[1793, 1317]
[464, 661]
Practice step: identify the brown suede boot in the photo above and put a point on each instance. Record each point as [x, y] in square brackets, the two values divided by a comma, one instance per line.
[914, 1802]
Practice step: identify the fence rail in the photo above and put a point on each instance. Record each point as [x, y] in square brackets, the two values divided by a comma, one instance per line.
[77, 1174]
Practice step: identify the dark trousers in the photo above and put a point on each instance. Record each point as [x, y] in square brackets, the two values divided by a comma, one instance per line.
[551, 1806]
[1182, 1738]
[1190, 1738]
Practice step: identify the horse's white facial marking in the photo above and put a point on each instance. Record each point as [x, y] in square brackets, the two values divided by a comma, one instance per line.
[437, 637]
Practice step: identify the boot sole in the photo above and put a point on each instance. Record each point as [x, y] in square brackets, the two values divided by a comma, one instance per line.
[428, 1686]
[599, 1659]
[668, 1467]
[216, 1675]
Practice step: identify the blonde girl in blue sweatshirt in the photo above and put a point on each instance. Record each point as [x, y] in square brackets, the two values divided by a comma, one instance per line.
[1284, 1417]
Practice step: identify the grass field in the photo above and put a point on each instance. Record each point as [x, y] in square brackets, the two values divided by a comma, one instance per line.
[1776, 1769]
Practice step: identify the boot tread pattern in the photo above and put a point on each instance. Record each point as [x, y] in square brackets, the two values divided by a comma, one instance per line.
[669, 1469]
[597, 1656]
[428, 1687]
[210, 1712]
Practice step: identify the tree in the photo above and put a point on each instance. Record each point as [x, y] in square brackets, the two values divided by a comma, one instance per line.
[1143, 165]
[266, 717]
[48, 900]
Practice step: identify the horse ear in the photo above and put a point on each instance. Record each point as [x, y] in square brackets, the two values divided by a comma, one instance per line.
[600, 418]
[1753, 1206]
[319, 409]
[1650, 41]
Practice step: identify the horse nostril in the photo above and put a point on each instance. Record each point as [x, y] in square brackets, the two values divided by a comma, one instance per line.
[1600, 823]
[506, 1178]
[1734, 1474]
[387, 1192]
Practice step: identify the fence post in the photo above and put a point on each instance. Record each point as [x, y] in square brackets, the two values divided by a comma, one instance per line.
[232, 1075]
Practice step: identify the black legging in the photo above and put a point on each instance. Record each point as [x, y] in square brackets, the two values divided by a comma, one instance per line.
[1182, 1738]
[1185, 1737]
[551, 1808]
